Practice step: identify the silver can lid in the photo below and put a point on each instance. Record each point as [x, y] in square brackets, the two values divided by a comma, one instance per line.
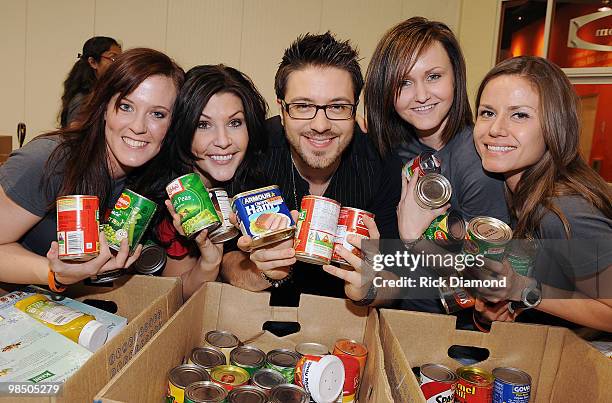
[221, 339]
[433, 191]
[186, 374]
[289, 393]
[283, 358]
[207, 357]
[247, 356]
[312, 349]
[247, 394]
[490, 229]
[205, 392]
[151, 260]
[267, 378]
[513, 376]
[439, 373]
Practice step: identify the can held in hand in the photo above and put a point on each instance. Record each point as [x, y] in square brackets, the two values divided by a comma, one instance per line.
[474, 385]
[321, 377]
[263, 215]
[247, 394]
[447, 228]
[354, 349]
[427, 162]
[226, 230]
[432, 191]
[248, 358]
[437, 383]
[351, 378]
[182, 376]
[78, 227]
[192, 203]
[487, 236]
[205, 392]
[350, 222]
[283, 361]
[129, 219]
[316, 229]
[455, 299]
[229, 376]
[151, 261]
[207, 357]
[511, 385]
[223, 341]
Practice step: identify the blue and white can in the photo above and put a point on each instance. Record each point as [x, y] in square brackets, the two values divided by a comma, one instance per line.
[263, 215]
[511, 386]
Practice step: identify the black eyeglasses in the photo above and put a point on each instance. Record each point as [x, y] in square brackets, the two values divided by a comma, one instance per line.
[305, 111]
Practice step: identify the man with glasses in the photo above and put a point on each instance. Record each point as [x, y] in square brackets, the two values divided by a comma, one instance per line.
[315, 147]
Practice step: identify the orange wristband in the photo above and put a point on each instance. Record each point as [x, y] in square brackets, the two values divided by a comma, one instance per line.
[53, 286]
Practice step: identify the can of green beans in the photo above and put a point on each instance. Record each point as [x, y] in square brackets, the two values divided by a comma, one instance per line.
[192, 203]
[129, 219]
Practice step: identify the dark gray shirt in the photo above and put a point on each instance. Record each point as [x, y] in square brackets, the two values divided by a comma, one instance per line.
[21, 179]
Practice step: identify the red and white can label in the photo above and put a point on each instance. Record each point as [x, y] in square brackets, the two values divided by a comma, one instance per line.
[316, 228]
[436, 391]
[350, 221]
[77, 226]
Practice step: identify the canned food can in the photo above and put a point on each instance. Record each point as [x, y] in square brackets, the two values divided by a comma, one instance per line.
[226, 230]
[426, 161]
[266, 379]
[289, 393]
[283, 361]
[487, 236]
[192, 203]
[151, 261]
[222, 340]
[248, 358]
[354, 349]
[182, 376]
[129, 220]
[256, 210]
[511, 385]
[432, 191]
[474, 385]
[455, 299]
[78, 227]
[350, 222]
[205, 392]
[311, 349]
[321, 377]
[449, 227]
[316, 229]
[438, 383]
[229, 376]
[351, 378]
[207, 357]
[247, 394]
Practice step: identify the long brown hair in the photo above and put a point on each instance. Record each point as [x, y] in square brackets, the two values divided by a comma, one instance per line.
[394, 57]
[83, 147]
[561, 171]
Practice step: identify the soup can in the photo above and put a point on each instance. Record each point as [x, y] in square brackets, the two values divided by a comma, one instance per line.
[226, 230]
[207, 357]
[78, 227]
[487, 236]
[449, 227]
[283, 361]
[182, 376]
[248, 358]
[474, 385]
[350, 222]
[310, 348]
[437, 383]
[247, 394]
[354, 349]
[316, 229]
[205, 392]
[511, 385]
[432, 191]
[129, 220]
[426, 161]
[289, 393]
[257, 210]
[192, 203]
[229, 376]
[151, 261]
[266, 379]
[223, 341]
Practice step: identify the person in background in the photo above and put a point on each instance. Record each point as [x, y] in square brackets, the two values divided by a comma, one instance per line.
[416, 101]
[217, 131]
[123, 127]
[527, 129]
[98, 53]
[317, 148]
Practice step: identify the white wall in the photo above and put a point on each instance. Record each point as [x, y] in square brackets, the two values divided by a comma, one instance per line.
[40, 39]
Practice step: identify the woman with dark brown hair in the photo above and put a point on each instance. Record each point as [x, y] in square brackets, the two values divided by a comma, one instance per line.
[123, 127]
[527, 129]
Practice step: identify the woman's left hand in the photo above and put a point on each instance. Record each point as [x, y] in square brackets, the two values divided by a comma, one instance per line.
[494, 270]
[210, 253]
[359, 275]
[495, 311]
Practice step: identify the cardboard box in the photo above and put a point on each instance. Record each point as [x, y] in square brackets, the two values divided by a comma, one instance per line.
[224, 307]
[147, 302]
[563, 367]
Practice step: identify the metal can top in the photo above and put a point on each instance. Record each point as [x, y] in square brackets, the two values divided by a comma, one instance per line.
[76, 196]
[433, 190]
[456, 225]
[475, 376]
[513, 376]
[247, 394]
[221, 339]
[229, 375]
[152, 259]
[267, 378]
[312, 349]
[283, 358]
[327, 199]
[438, 373]
[207, 357]
[351, 347]
[490, 229]
[289, 393]
[247, 356]
[186, 374]
[254, 191]
[205, 392]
